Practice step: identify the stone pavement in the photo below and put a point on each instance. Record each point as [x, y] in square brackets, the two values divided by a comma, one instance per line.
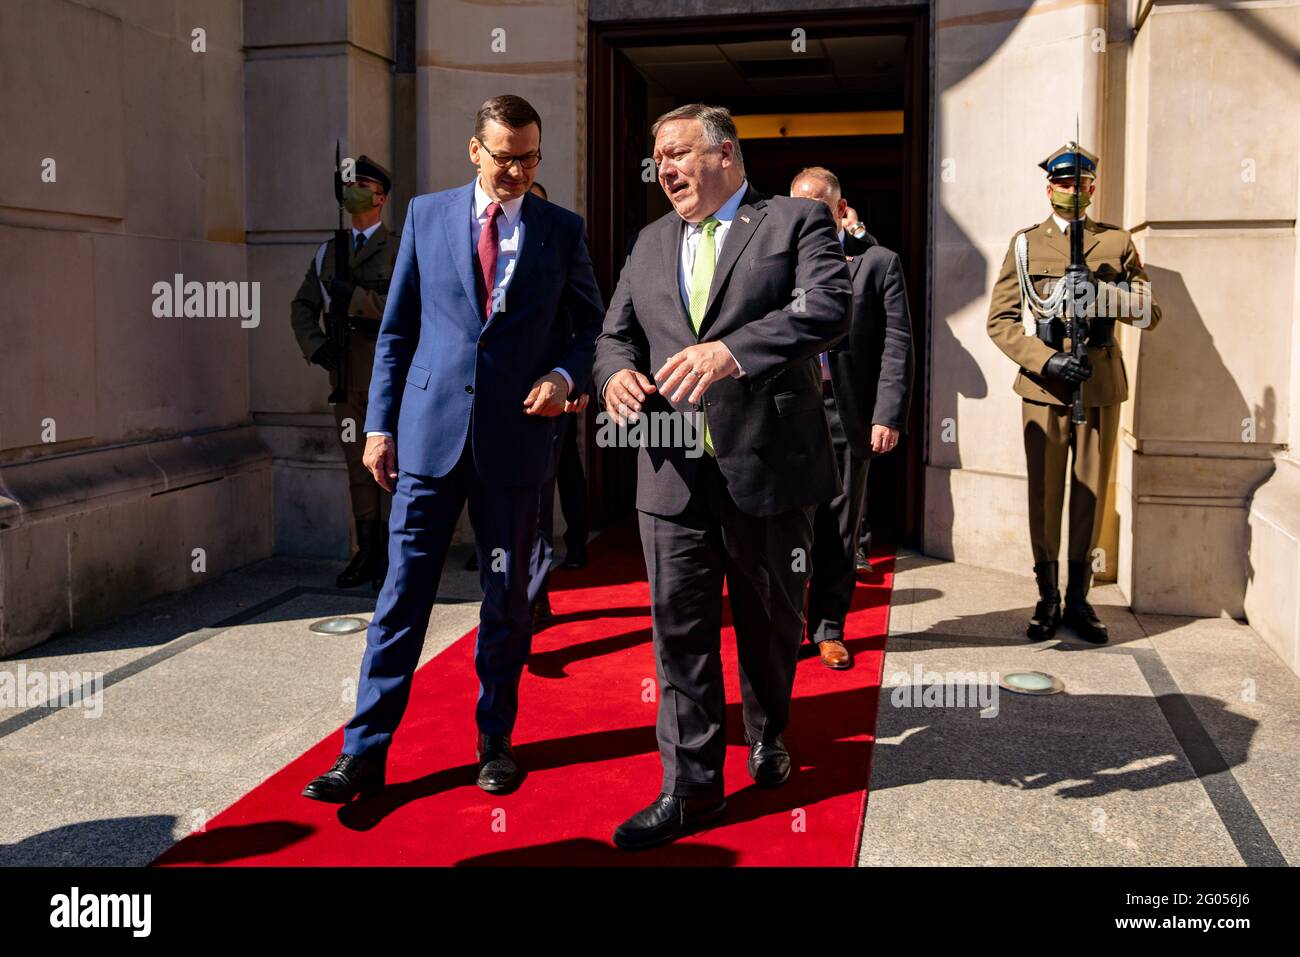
[1174, 745]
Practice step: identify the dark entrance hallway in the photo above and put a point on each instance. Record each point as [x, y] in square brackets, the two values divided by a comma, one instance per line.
[850, 94]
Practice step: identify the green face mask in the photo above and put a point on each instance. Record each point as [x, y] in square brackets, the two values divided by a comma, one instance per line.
[1063, 203]
[357, 199]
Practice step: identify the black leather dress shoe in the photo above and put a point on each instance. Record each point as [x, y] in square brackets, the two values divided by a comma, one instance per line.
[861, 562]
[574, 559]
[769, 762]
[667, 819]
[542, 612]
[498, 771]
[352, 774]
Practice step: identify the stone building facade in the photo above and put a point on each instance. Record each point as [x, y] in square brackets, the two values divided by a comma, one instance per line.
[141, 454]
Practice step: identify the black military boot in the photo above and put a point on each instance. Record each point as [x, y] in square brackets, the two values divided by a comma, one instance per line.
[1078, 613]
[379, 564]
[1047, 613]
[359, 569]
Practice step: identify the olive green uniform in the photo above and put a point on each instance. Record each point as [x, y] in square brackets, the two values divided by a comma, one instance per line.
[372, 268]
[1049, 433]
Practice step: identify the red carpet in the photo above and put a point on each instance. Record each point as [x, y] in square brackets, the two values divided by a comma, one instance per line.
[585, 736]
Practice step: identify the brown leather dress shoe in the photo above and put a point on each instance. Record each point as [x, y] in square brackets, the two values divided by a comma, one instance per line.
[834, 654]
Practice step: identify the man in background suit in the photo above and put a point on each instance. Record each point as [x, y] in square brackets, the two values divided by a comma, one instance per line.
[866, 385]
[857, 240]
[490, 327]
[565, 475]
[726, 301]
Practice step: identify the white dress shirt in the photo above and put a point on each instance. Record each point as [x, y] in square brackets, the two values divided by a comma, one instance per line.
[510, 232]
[368, 233]
[510, 242]
[694, 232]
[1062, 223]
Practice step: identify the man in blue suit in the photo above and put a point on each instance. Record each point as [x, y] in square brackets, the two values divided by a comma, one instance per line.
[490, 327]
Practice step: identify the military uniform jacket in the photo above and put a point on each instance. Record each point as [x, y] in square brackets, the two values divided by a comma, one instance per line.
[1116, 267]
[372, 269]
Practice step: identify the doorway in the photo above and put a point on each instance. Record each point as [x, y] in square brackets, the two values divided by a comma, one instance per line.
[869, 71]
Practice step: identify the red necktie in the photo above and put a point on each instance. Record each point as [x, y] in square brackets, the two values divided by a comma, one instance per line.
[487, 257]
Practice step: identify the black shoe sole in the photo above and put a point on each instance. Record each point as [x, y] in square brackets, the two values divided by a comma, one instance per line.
[505, 788]
[369, 792]
[697, 823]
[1098, 640]
[770, 782]
[1079, 629]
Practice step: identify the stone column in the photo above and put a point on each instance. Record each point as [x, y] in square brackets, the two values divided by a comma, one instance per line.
[1210, 496]
[316, 72]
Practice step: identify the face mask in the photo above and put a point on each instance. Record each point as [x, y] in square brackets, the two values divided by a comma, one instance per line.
[357, 199]
[1063, 203]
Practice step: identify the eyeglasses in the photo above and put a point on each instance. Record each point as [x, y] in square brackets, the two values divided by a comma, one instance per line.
[504, 161]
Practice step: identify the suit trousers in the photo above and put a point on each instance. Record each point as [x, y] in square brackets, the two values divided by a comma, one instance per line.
[763, 561]
[835, 539]
[425, 512]
[1050, 438]
[571, 482]
[565, 473]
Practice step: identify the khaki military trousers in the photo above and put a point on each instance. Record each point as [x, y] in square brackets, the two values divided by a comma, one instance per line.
[370, 503]
[1050, 441]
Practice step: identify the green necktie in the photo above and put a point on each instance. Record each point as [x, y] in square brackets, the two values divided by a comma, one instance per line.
[701, 280]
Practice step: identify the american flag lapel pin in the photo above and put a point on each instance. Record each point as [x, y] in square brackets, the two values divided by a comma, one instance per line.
[744, 218]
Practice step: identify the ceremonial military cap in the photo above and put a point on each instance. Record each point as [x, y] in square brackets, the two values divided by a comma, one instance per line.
[1062, 162]
[371, 170]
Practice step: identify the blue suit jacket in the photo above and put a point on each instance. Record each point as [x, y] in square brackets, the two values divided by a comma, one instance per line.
[436, 362]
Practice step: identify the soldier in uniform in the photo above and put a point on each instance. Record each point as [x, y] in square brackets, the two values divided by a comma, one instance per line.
[373, 253]
[1027, 321]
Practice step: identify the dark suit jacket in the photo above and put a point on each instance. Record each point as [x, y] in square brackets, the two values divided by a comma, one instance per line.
[768, 426]
[871, 369]
[436, 360]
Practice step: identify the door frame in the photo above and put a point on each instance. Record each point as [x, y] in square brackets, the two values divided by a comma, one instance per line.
[604, 200]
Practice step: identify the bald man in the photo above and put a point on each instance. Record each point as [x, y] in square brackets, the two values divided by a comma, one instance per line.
[866, 382]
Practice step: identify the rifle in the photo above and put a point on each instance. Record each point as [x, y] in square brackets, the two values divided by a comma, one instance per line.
[336, 319]
[1076, 305]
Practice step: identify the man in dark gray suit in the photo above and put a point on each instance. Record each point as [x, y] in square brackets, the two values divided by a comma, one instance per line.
[866, 385]
[726, 301]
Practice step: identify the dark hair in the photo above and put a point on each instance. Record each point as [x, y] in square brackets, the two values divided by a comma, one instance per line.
[719, 127]
[508, 110]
